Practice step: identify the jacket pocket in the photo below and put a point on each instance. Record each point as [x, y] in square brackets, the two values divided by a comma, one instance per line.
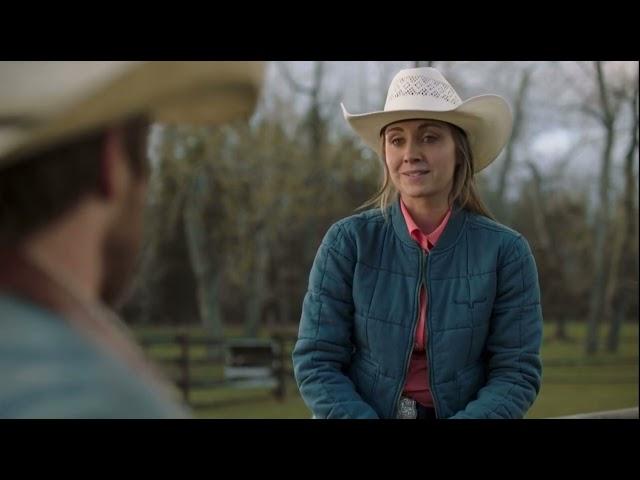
[478, 310]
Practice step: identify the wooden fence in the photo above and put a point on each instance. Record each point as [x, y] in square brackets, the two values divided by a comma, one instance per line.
[235, 363]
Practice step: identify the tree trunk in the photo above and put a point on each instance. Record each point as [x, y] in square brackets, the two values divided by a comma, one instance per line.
[258, 286]
[206, 271]
[518, 120]
[600, 248]
[629, 219]
[363, 88]
[418, 64]
[546, 240]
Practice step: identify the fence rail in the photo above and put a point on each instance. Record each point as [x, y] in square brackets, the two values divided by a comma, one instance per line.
[274, 374]
[183, 363]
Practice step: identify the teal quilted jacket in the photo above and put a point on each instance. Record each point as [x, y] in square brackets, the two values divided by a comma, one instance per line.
[359, 316]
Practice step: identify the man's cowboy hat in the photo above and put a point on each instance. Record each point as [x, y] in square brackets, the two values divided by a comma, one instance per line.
[423, 93]
[43, 103]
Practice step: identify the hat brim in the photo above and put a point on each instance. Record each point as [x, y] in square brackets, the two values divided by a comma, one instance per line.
[169, 92]
[486, 119]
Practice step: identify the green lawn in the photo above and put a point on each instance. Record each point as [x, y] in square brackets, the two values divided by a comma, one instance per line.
[572, 382]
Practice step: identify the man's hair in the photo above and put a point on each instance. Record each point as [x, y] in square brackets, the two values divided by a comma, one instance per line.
[42, 187]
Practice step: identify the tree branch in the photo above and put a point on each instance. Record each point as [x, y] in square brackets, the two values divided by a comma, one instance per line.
[296, 86]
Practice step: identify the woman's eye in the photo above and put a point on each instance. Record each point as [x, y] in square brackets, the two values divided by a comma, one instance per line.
[429, 138]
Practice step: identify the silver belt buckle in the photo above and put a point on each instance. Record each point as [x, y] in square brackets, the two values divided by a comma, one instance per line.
[407, 409]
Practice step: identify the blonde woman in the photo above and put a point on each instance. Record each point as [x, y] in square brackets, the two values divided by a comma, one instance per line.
[423, 307]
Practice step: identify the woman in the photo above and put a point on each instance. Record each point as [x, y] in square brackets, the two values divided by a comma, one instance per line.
[424, 307]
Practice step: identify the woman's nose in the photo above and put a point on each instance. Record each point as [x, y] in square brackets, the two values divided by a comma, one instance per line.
[411, 153]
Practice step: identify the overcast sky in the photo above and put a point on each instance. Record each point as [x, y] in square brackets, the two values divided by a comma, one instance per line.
[554, 126]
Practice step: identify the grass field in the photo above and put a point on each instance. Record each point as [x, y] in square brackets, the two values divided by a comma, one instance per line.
[572, 382]
[575, 383]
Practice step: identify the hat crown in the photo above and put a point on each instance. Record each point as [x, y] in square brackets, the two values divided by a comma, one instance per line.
[421, 89]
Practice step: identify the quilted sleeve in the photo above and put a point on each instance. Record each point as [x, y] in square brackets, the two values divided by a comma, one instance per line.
[323, 350]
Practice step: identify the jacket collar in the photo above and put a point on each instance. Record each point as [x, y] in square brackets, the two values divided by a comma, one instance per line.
[449, 236]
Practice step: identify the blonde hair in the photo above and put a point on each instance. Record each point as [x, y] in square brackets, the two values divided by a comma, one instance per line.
[464, 191]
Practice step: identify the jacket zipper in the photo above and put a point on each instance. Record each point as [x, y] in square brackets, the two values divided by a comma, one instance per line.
[413, 333]
[429, 349]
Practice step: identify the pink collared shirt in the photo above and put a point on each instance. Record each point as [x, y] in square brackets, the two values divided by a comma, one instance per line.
[417, 383]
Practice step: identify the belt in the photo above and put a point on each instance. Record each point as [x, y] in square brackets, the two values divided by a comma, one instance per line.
[408, 408]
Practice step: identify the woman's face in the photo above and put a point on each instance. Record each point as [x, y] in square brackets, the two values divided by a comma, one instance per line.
[420, 156]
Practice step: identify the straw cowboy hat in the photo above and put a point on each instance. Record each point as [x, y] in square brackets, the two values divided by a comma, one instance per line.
[43, 103]
[423, 93]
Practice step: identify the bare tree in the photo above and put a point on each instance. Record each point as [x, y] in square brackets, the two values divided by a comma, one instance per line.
[518, 122]
[315, 124]
[363, 91]
[385, 73]
[203, 257]
[418, 64]
[606, 115]
[548, 241]
[624, 268]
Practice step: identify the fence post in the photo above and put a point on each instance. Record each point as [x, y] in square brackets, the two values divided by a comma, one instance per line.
[183, 340]
[281, 371]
